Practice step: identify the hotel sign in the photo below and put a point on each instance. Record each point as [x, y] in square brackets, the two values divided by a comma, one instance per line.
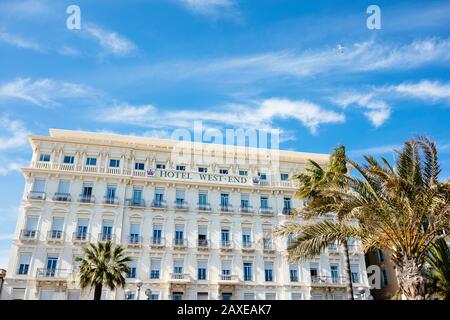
[198, 176]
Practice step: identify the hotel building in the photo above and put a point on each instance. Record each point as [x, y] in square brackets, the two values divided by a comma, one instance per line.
[196, 227]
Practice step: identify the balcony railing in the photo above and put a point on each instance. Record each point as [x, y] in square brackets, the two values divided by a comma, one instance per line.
[327, 280]
[266, 211]
[229, 278]
[246, 209]
[49, 273]
[29, 235]
[106, 237]
[111, 200]
[62, 197]
[288, 211]
[181, 205]
[134, 239]
[55, 235]
[179, 242]
[86, 198]
[139, 203]
[226, 208]
[247, 245]
[203, 243]
[157, 242]
[268, 245]
[225, 244]
[159, 204]
[179, 276]
[81, 237]
[203, 207]
[36, 195]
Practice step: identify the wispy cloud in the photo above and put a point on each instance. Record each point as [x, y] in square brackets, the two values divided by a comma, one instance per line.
[214, 8]
[259, 115]
[14, 134]
[111, 42]
[19, 42]
[25, 8]
[425, 90]
[44, 92]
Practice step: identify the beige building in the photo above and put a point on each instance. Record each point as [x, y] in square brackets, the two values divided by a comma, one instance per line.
[195, 218]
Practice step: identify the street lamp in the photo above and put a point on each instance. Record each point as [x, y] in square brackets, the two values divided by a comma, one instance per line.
[138, 285]
[148, 293]
[362, 291]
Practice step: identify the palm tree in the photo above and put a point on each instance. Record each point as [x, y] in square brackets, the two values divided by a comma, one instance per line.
[311, 181]
[399, 209]
[103, 264]
[438, 270]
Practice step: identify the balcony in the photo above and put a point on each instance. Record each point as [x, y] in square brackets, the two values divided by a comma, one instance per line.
[267, 211]
[226, 209]
[86, 198]
[80, 237]
[225, 245]
[113, 201]
[332, 249]
[159, 204]
[55, 236]
[134, 240]
[179, 244]
[288, 211]
[28, 235]
[53, 274]
[36, 195]
[203, 207]
[179, 277]
[248, 246]
[135, 203]
[327, 281]
[268, 246]
[157, 243]
[62, 197]
[203, 244]
[181, 205]
[105, 237]
[228, 279]
[246, 210]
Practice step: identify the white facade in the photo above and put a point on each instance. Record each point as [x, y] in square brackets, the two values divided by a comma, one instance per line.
[191, 234]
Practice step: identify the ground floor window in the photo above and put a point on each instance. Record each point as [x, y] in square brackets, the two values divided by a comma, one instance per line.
[177, 296]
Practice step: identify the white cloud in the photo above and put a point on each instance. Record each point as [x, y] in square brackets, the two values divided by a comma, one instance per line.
[25, 8]
[425, 90]
[260, 115]
[13, 133]
[44, 92]
[211, 7]
[111, 42]
[19, 42]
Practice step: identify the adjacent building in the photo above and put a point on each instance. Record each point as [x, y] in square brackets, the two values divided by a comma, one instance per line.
[197, 226]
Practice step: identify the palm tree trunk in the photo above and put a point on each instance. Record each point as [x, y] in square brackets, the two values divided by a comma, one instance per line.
[348, 272]
[411, 279]
[98, 292]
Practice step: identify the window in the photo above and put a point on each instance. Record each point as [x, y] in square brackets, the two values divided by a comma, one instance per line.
[334, 273]
[243, 173]
[178, 266]
[57, 227]
[338, 296]
[107, 226]
[271, 296]
[313, 271]
[296, 296]
[24, 263]
[317, 296]
[286, 204]
[69, 159]
[249, 296]
[268, 270]
[225, 237]
[18, 293]
[264, 202]
[262, 176]
[82, 227]
[202, 236]
[223, 171]
[155, 266]
[154, 296]
[179, 197]
[179, 234]
[202, 169]
[246, 237]
[284, 176]
[293, 273]
[226, 267]
[159, 196]
[137, 196]
[202, 199]
[177, 296]
[31, 226]
[248, 272]
[39, 185]
[202, 295]
[201, 269]
[47, 294]
[44, 157]
[244, 201]
[157, 233]
[134, 233]
[110, 194]
[87, 190]
[114, 163]
[181, 168]
[160, 166]
[91, 161]
[227, 296]
[51, 267]
[354, 273]
[139, 166]
[224, 200]
[132, 264]
[64, 187]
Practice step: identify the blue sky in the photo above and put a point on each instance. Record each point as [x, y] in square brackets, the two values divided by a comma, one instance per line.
[149, 67]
